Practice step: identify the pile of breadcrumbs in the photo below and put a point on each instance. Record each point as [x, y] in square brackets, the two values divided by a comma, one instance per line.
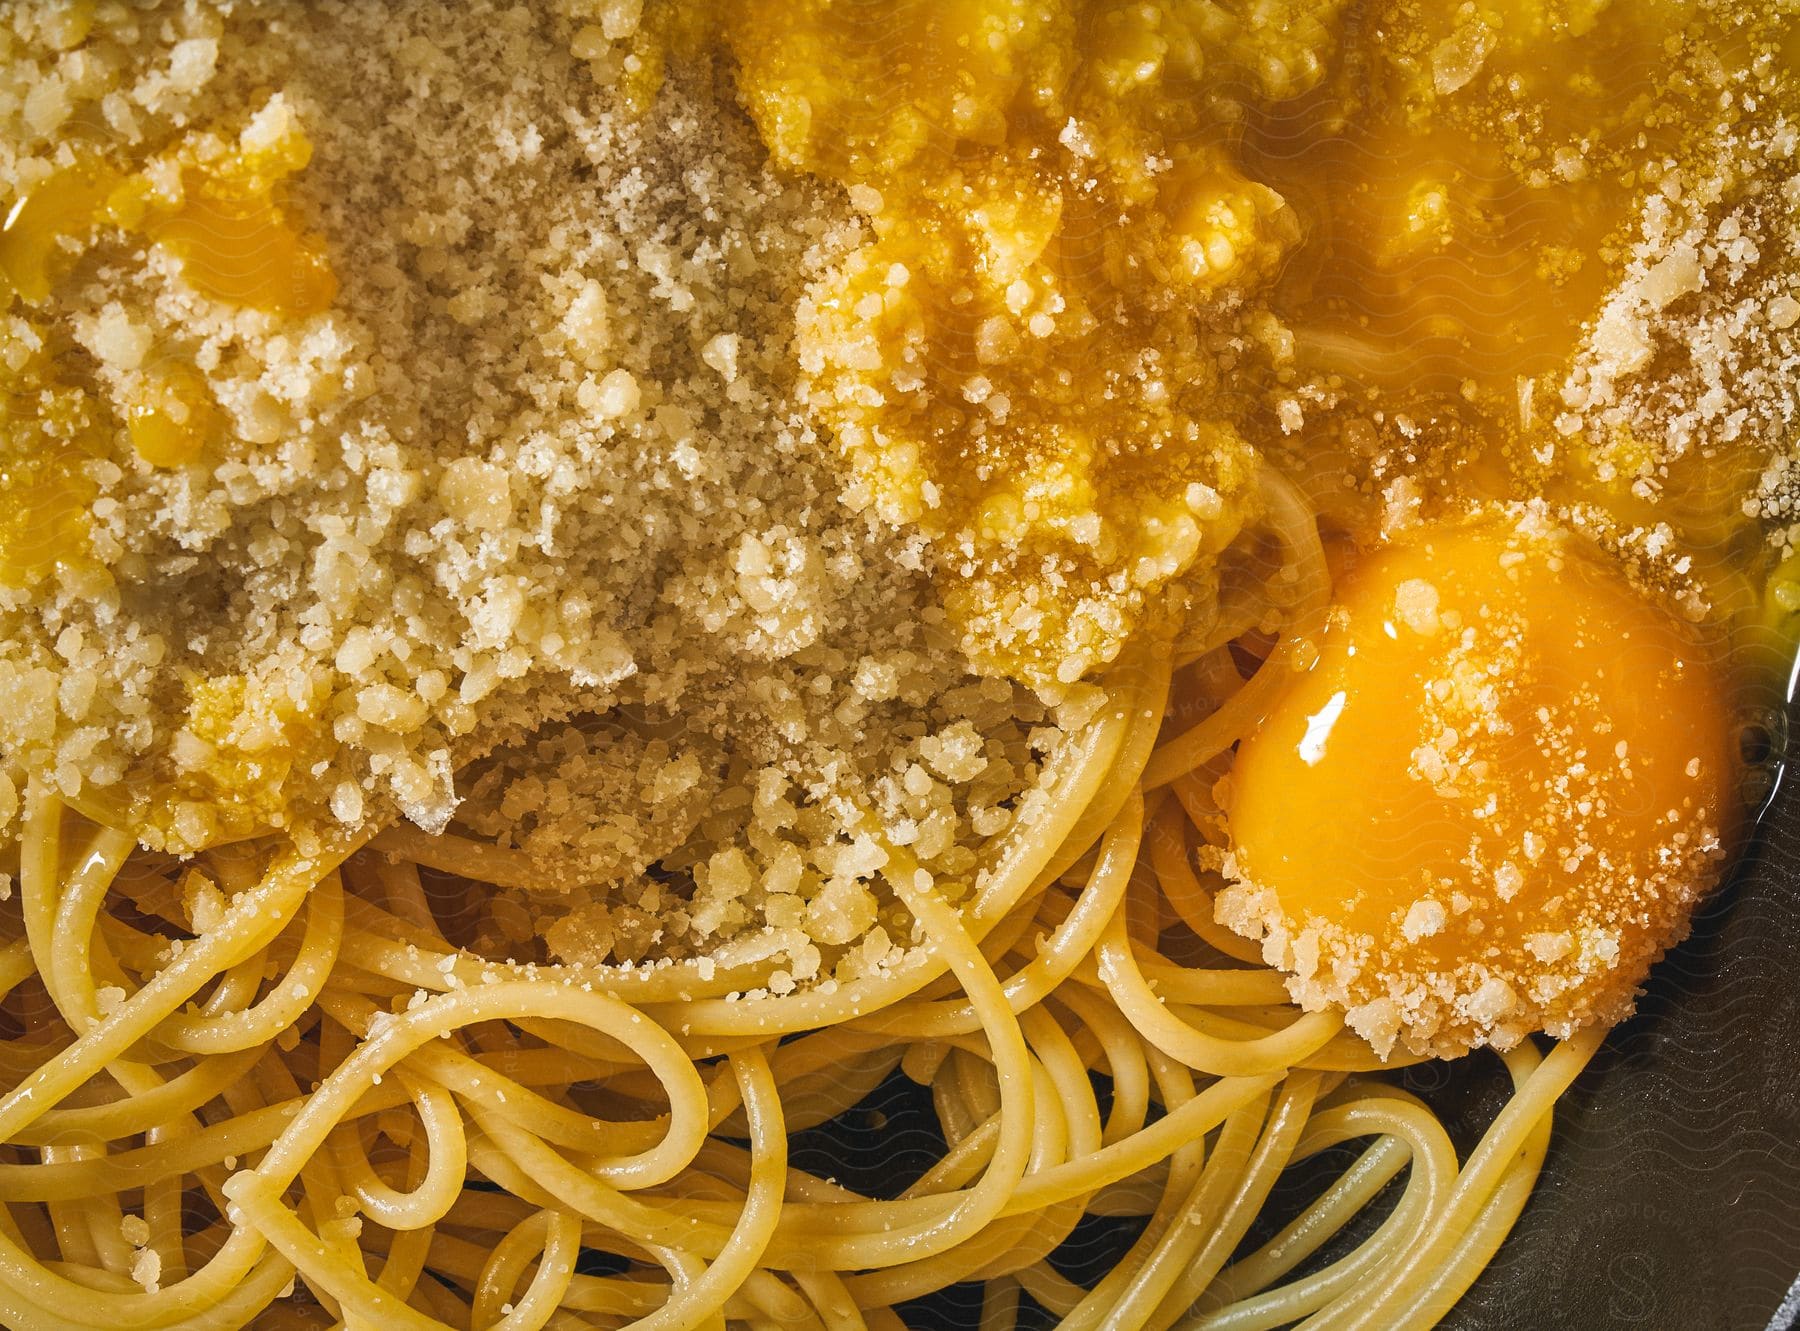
[524, 536]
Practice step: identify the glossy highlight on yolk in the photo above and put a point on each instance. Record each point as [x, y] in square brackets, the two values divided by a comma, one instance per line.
[1494, 798]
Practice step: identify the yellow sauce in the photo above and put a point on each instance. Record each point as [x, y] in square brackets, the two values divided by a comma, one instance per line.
[1046, 353]
[47, 436]
[170, 415]
[236, 244]
[1027, 358]
[234, 238]
[1467, 210]
[43, 514]
[235, 241]
[59, 210]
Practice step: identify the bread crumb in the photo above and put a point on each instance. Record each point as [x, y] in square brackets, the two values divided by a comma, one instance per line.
[527, 533]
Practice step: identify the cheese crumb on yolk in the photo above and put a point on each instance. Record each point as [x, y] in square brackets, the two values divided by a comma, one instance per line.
[1491, 803]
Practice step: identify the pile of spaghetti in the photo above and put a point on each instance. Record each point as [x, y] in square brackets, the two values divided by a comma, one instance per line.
[317, 1084]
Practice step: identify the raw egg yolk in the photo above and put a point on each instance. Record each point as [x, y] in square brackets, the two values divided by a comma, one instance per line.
[1491, 802]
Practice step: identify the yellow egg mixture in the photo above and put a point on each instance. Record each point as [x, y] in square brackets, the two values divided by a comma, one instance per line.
[211, 208]
[1108, 238]
[1507, 289]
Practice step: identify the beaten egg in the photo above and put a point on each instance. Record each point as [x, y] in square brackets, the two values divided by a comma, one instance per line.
[1491, 802]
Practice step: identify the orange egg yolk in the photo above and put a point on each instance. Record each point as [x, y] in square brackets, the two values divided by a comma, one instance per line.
[1491, 802]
